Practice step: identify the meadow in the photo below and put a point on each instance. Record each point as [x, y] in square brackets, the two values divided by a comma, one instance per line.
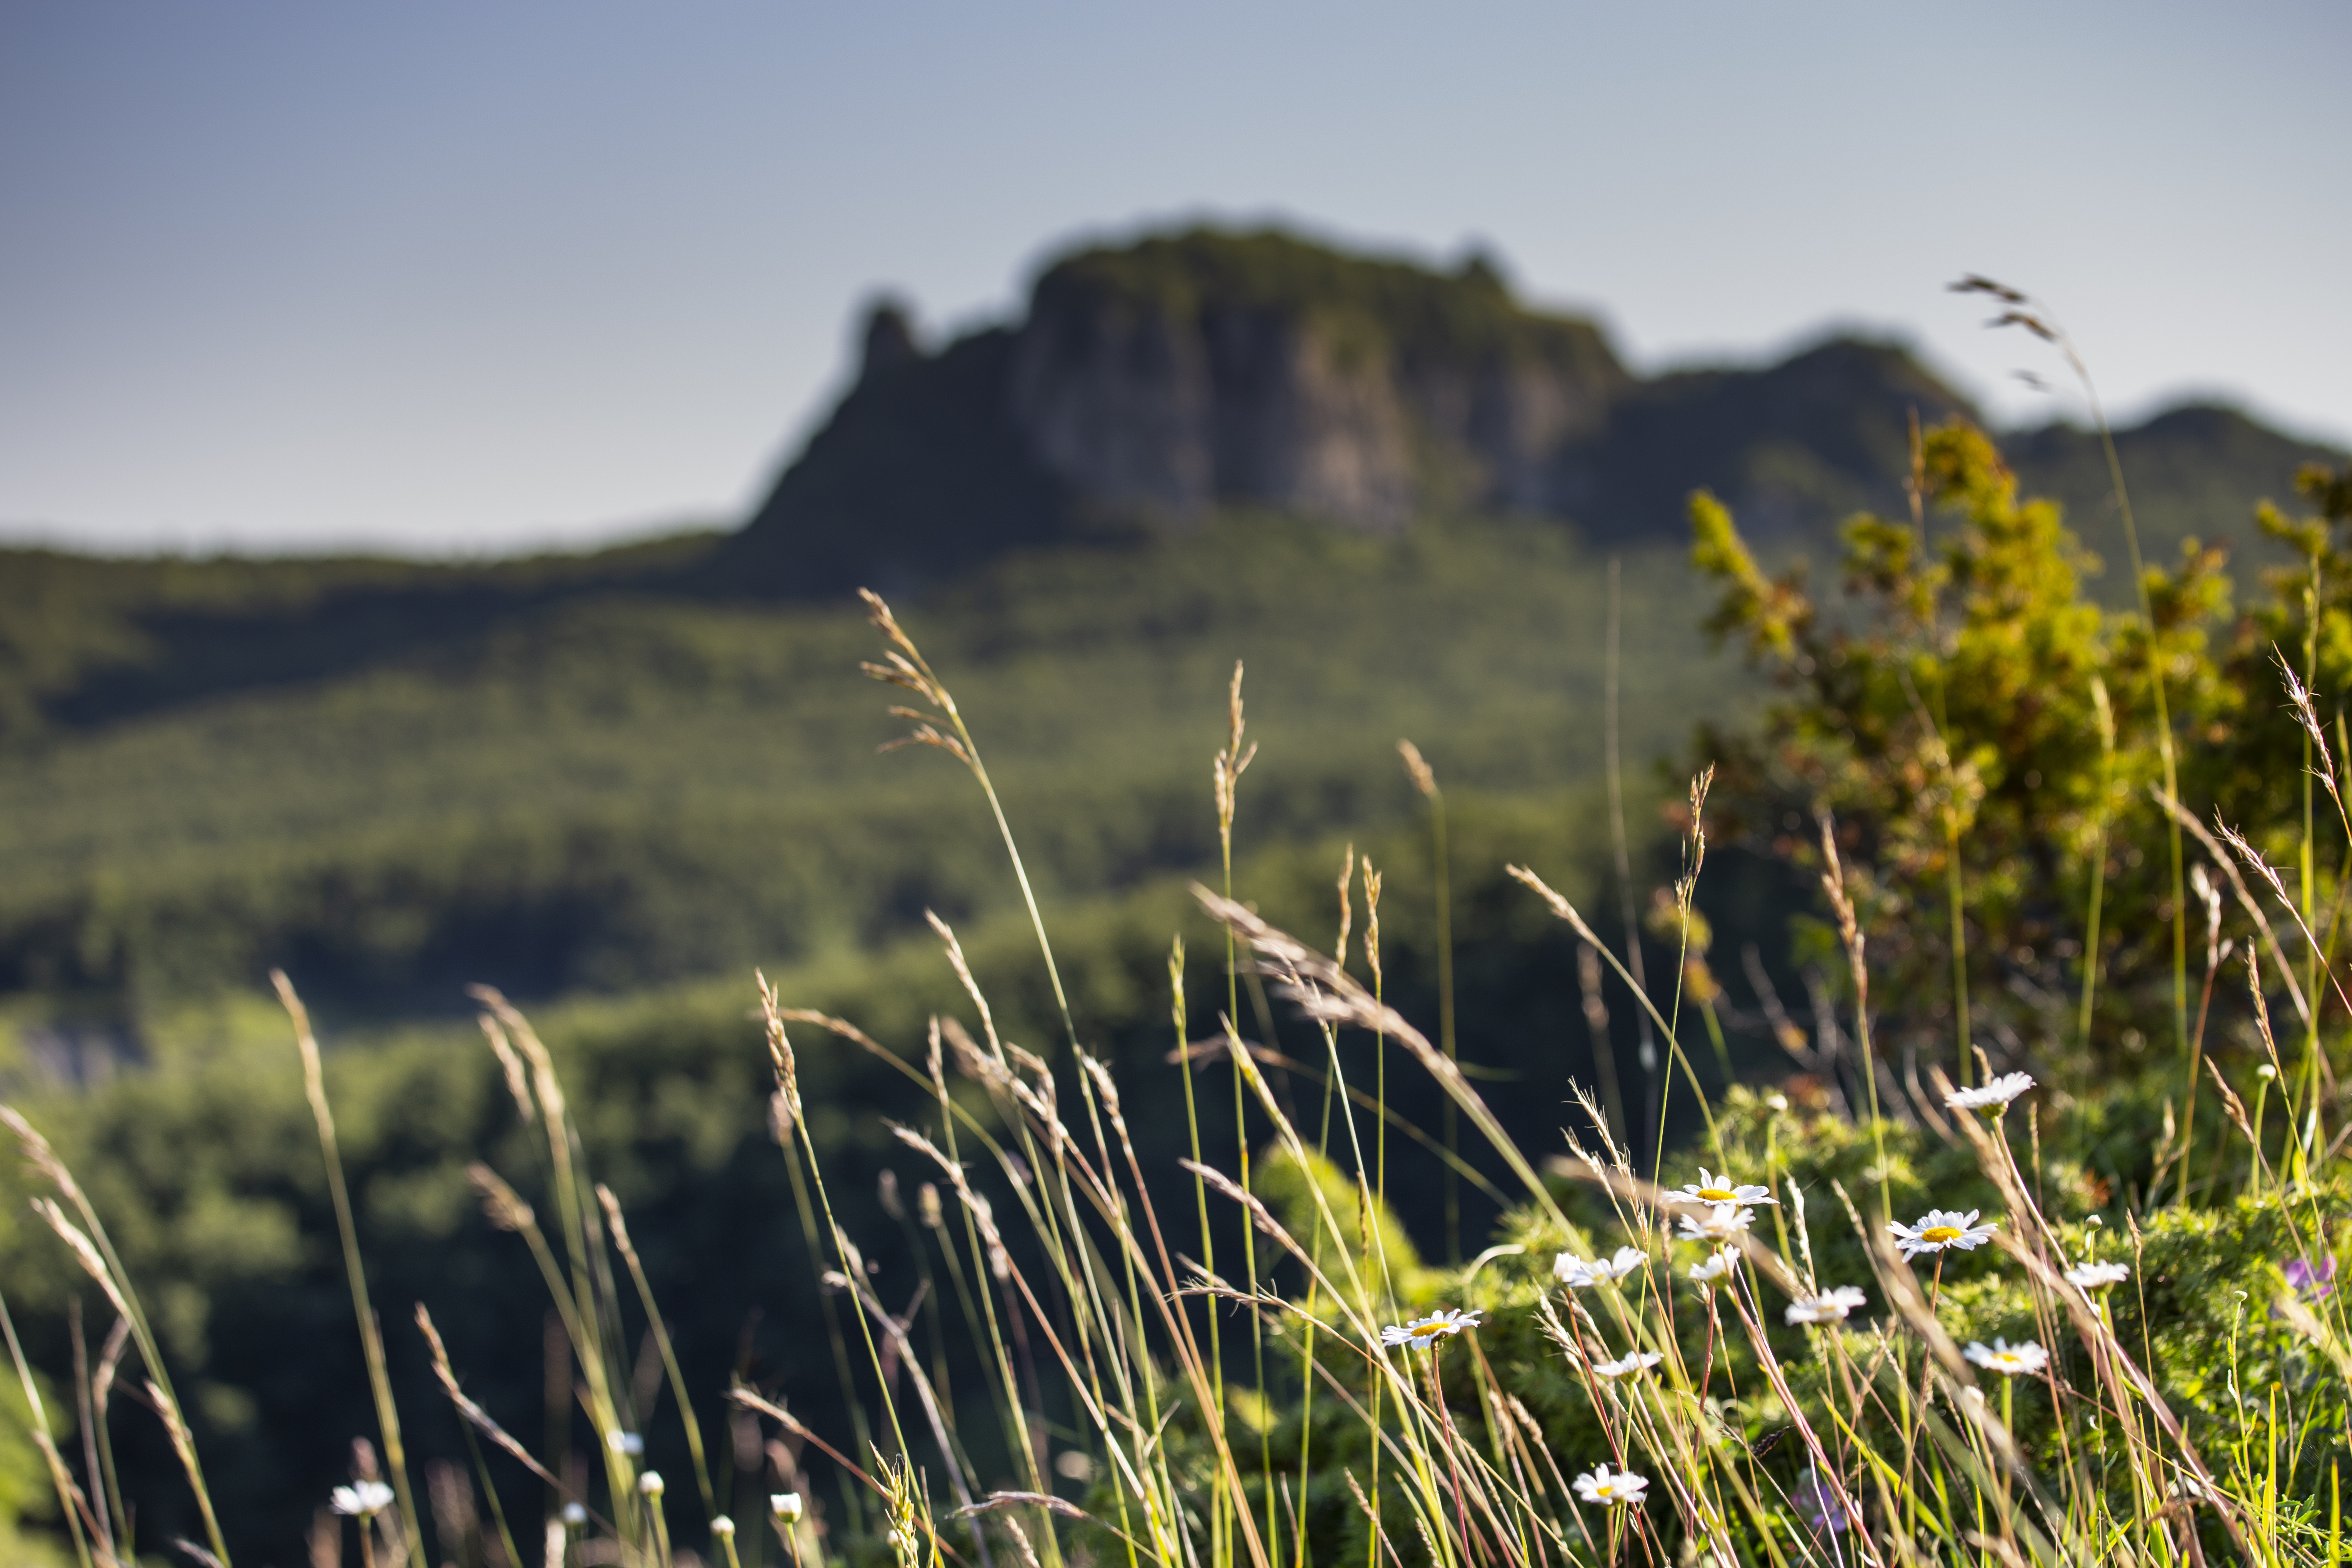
[2018, 1243]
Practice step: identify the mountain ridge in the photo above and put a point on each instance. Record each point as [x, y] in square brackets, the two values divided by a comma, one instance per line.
[1147, 384]
[1149, 387]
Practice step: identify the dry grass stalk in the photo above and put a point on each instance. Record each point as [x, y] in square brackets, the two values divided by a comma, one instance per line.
[2227, 863]
[447, 1376]
[314, 1088]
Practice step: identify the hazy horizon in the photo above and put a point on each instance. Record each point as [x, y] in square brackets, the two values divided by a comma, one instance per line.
[450, 281]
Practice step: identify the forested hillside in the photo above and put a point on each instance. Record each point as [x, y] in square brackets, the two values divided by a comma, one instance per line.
[624, 790]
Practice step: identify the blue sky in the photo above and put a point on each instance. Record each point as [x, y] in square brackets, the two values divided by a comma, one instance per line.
[452, 277]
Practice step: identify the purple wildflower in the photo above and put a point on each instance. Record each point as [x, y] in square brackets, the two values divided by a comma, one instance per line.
[2308, 1282]
[1822, 1507]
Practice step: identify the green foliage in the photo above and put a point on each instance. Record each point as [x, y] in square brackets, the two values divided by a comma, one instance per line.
[1971, 700]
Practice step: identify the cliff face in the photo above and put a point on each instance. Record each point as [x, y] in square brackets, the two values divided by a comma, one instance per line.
[1151, 384]
[1150, 411]
[1207, 370]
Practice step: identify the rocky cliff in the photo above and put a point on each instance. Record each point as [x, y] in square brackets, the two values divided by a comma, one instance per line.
[1151, 384]
[1211, 370]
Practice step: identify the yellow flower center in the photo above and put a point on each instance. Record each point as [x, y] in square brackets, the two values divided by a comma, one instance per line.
[1718, 1194]
[1940, 1232]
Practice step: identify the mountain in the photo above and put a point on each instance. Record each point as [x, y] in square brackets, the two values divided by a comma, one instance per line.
[1151, 384]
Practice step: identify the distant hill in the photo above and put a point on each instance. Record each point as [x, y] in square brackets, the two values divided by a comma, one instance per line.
[2193, 471]
[623, 788]
[88, 641]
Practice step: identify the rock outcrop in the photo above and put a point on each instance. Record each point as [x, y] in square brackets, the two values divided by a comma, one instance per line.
[1207, 371]
[1152, 384]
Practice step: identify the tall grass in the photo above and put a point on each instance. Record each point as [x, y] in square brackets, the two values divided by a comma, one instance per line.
[1632, 1373]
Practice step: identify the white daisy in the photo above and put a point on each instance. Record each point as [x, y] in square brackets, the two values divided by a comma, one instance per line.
[1581, 1274]
[1633, 1361]
[1713, 1187]
[2098, 1276]
[362, 1499]
[722, 1525]
[1599, 1485]
[627, 1443]
[2007, 1359]
[1423, 1332]
[574, 1514]
[650, 1483]
[785, 1506]
[1717, 1266]
[1993, 1096]
[1829, 1307]
[1940, 1228]
[1722, 1222]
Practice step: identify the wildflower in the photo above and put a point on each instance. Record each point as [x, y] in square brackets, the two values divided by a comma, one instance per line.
[1994, 1095]
[785, 1506]
[2308, 1282]
[2007, 1359]
[1940, 1228]
[650, 1483]
[1718, 1266]
[627, 1443]
[1829, 1307]
[2090, 1277]
[361, 1500]
[1599, 1485]
[1723, 1221]
[1713, 1188]
[722, 1526]
[1579, 1274]
[1632, 1362]
[1423, 1332]
[1823, 1508]
[575, 1515]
